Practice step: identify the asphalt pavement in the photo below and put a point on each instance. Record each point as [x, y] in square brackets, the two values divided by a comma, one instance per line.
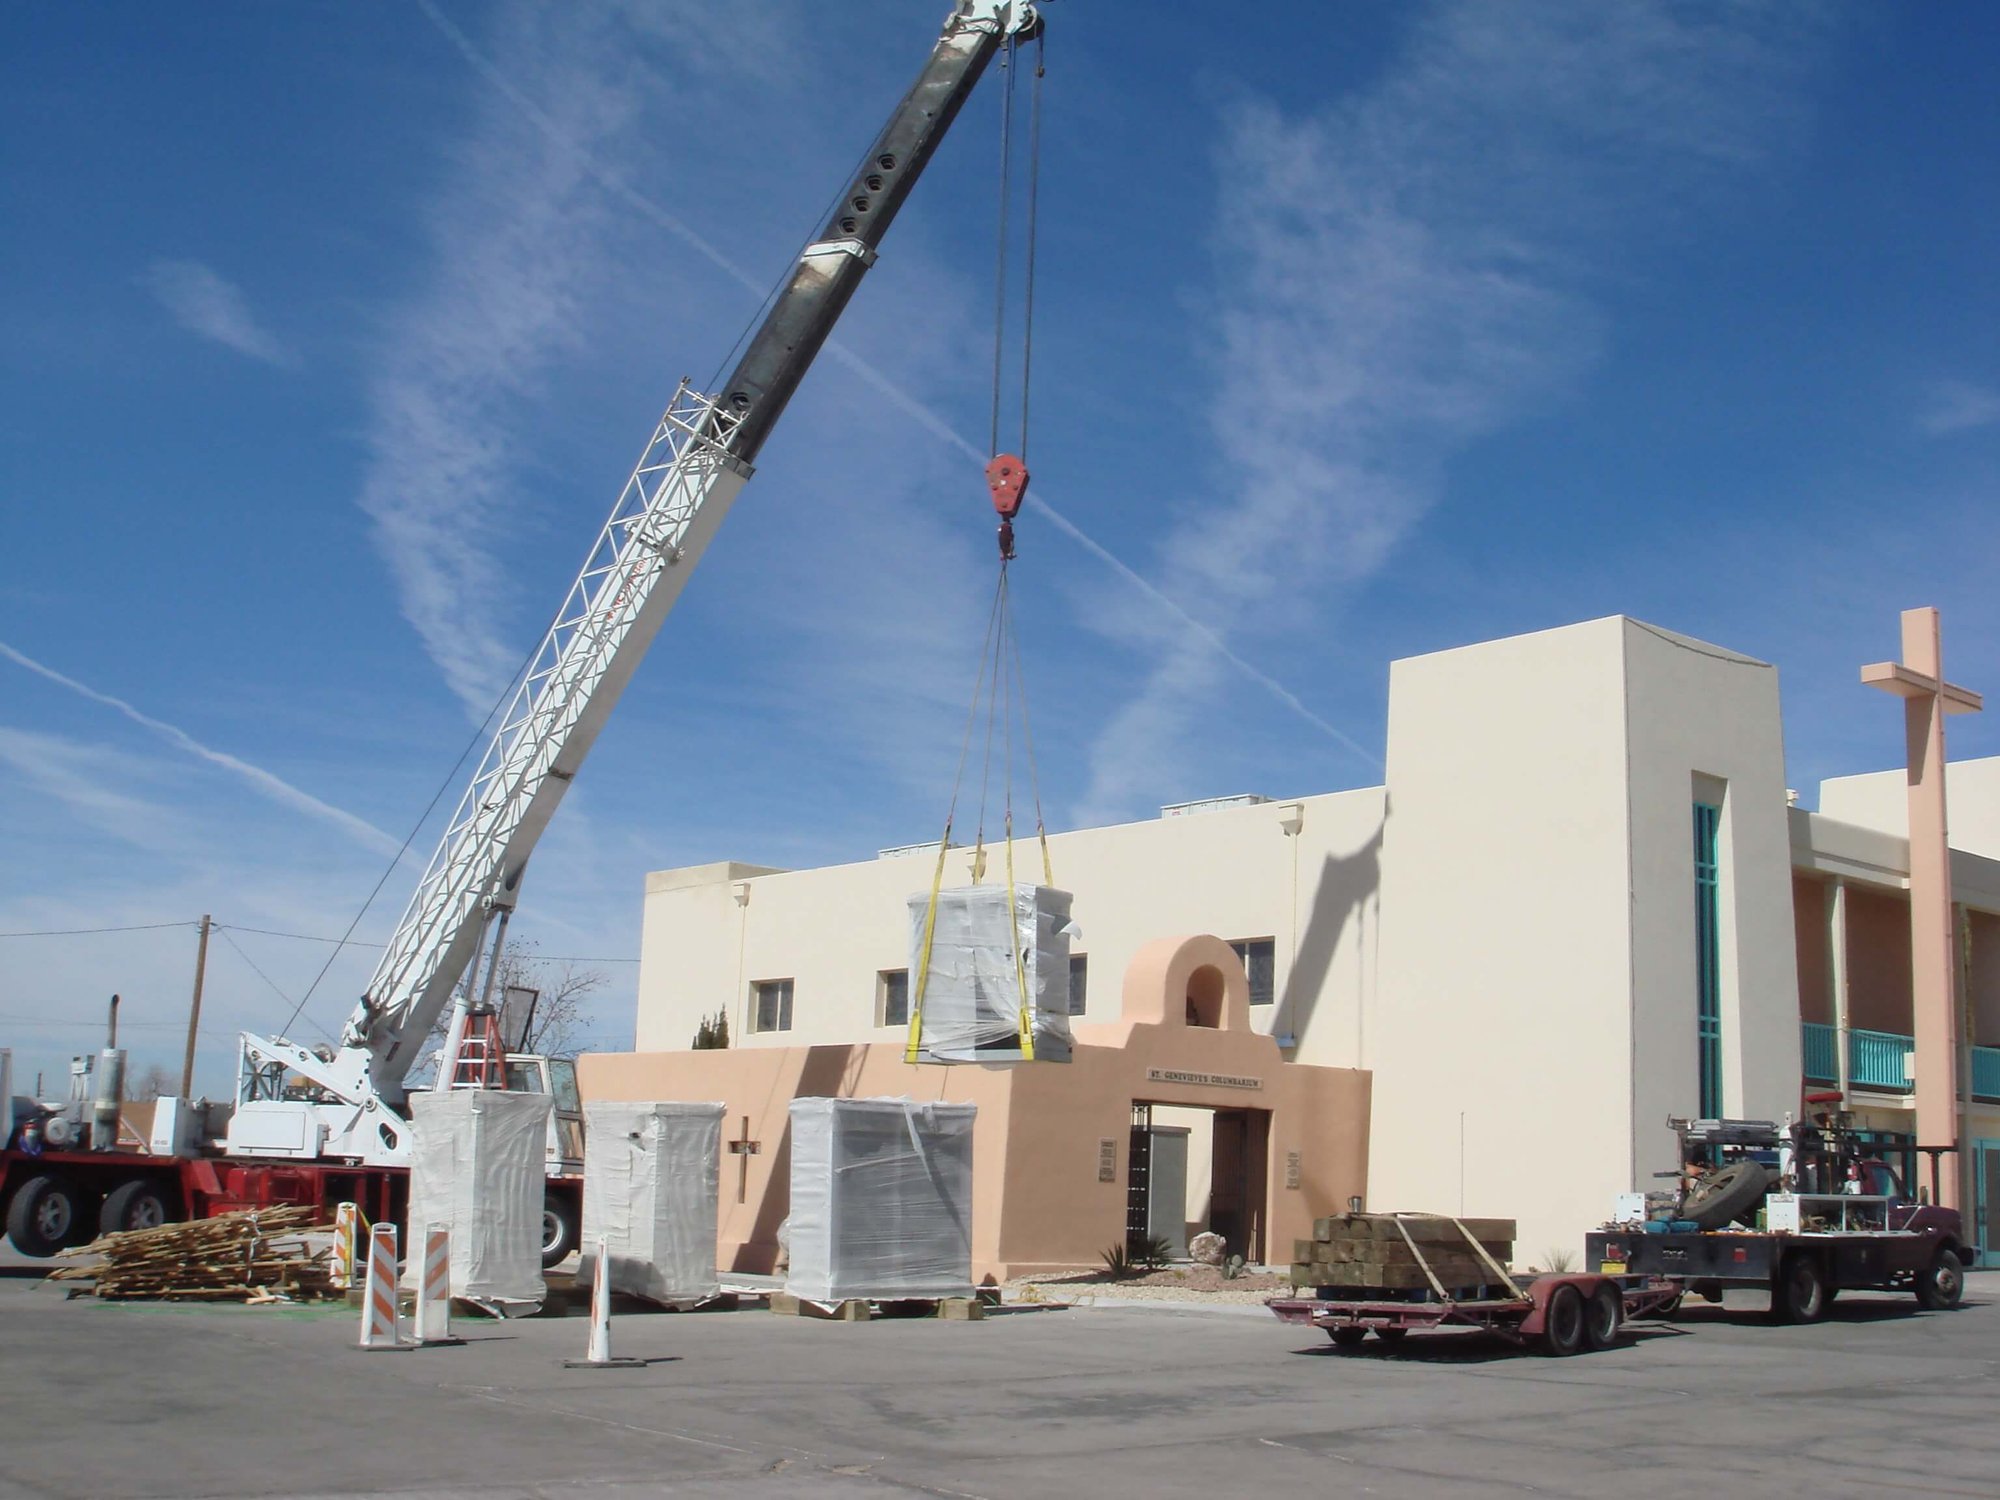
[127, 1400]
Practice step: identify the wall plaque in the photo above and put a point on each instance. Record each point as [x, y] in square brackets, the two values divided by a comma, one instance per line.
[1202, 1080]
[1291, 1169]
[1107, 1159]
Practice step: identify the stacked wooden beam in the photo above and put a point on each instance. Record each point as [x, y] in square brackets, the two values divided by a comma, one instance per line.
[260, 1255]
[1370, 1252]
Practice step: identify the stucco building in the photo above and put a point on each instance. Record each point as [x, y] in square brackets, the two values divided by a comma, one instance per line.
[1581, 901]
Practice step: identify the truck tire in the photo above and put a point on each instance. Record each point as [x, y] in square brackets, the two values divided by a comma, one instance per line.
[139, 1204]
[1800, 1293]
[1604, 1315]
[1724, 1196]
[1392, 1335]
[1563, 1322]
[1348, 1336]
[45, 1216]
[1942, 1283]
[560, 1231]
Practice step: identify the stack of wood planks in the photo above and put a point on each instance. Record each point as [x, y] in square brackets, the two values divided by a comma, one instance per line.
[1369, 1252]
[259, 1255]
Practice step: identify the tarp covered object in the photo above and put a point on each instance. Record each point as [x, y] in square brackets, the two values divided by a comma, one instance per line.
[881, 1199]
[477, 1166]
[968, 1008]
[649, 1193]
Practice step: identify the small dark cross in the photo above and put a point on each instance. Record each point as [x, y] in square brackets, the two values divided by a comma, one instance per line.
[743, 1148]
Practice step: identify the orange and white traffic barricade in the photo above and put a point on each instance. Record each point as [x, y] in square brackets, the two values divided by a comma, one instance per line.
[346, 1227]
[381, 1317]
[434, 1289]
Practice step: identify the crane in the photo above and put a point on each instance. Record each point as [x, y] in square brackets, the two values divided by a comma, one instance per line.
[700, 454]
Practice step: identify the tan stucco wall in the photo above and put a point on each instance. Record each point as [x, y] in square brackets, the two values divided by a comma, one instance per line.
[1038, 1201]
[711, 932]
[1881, 800]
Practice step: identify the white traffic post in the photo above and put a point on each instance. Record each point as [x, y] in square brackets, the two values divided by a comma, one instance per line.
[434, 1289]
[599, 1354]
[346, 1223]
[381, 1318]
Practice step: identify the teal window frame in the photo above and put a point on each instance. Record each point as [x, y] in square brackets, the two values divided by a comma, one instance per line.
[1708, 953]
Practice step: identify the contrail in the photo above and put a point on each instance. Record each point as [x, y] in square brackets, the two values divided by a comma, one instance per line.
[907, 403]
[274, 787]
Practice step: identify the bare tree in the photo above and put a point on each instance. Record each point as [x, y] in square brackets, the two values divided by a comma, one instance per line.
[559, 1018]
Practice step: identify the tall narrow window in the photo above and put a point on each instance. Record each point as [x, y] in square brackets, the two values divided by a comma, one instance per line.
[1079, 980]
[1259, 957]
[1708, 955]
[892, 992]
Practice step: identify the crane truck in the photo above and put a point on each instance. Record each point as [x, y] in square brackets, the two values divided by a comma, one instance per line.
[325, 1124]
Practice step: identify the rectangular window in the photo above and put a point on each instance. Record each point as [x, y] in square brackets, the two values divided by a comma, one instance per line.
[771, 1004]
[1708, 954]
[1260, 963]
[892, 997]
[1079, 976]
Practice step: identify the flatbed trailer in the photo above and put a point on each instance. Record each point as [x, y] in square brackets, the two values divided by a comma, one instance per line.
[1561, 1314]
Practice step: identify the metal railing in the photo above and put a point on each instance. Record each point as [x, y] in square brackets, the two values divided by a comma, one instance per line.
[1880, 1060]
[1821, 1046]
[1986, 1072]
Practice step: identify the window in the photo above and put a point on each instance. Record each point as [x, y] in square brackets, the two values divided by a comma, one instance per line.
[1260, 963]
[1708, 955]
[1079, 976]
[892, 997]
[771, 1005]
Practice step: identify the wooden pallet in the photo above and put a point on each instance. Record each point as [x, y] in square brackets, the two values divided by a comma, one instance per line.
[863, 1309]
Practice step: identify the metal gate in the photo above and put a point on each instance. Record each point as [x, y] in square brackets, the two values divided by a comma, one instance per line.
[1139, 1178]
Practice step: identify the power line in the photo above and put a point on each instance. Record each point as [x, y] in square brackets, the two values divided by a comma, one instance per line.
[93, 931]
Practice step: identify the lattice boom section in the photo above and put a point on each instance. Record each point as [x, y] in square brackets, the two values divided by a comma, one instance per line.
[568, 691]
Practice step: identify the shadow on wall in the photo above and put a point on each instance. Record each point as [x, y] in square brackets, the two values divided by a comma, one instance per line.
[1346, 883]
[828, 1073]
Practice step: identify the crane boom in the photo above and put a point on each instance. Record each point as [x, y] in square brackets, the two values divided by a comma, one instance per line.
[700, 455]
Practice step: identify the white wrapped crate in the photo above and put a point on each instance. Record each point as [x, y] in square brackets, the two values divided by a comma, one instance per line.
[969, 1006]
[881, 1199]
[477, 1166]
[650, 1175]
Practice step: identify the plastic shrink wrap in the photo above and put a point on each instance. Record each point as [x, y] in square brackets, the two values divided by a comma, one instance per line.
[649, 1193]
[477, 1165]
[969, 1006]
[881, 1199]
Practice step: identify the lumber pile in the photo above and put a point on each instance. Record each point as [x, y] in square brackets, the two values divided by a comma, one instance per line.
[1369, 1252]
[259, 1255]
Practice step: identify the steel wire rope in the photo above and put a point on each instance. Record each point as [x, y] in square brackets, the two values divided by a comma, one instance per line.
[1034, 193]
[1000, 256]
[95, 931]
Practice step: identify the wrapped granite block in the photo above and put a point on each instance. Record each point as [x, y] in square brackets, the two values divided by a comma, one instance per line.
[990, 948]
[881, 1199]
[649, 1193]
[477, 1166]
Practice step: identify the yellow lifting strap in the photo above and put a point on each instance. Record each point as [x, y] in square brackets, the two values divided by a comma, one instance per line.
[916, 1039]
[1020, 968]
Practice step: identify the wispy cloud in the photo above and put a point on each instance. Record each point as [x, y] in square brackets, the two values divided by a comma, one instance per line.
[205, 303]
[1408, 271]
[274, 787]
[1955, 406]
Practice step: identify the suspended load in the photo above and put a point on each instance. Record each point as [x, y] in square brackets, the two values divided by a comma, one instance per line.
[881, 1199]
[992, 975]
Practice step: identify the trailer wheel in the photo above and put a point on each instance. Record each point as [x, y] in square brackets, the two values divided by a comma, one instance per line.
[138, 1204]
[1800, 1295]
[559, 1228]
[1604, 1316]
[45, 1216]
[1347, 1337]
[1942, 1283]
[1392, 1335]
[1727, 1195]
[1563, 1322]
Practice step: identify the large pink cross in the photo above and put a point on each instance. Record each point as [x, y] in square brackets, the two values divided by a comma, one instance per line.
[1918, 679]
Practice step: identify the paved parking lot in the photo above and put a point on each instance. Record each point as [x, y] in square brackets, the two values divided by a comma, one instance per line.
[128, 1400]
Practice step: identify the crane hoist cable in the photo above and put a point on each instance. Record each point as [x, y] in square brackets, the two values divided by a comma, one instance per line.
[999, 686]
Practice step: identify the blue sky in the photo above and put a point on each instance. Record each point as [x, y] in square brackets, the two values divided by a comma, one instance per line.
[332, 330]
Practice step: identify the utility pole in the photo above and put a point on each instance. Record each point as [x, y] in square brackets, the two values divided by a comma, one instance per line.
[194, 1010]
